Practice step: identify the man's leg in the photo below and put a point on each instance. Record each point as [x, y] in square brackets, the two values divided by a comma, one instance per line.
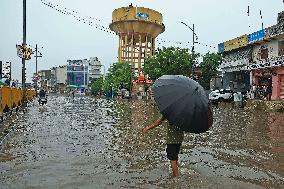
[174, 168]
[172, 154]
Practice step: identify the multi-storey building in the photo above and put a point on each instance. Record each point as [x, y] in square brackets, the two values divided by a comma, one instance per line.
[61, 74]
[81, 73]
[94, 68]
[44, 79]
[77, 73]
[256, 59]
[60, 78]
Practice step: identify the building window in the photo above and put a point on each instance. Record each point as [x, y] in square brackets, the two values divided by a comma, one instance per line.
[281, 48]
[263, 53]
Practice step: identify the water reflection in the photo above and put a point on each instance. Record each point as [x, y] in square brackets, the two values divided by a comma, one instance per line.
[97, 143]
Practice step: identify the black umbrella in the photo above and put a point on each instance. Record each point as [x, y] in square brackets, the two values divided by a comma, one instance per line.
[183, 102]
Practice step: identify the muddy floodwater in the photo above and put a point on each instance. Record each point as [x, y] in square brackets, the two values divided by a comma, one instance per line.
[98, 143]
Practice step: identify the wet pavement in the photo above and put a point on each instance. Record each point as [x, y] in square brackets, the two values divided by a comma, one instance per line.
[97, 143]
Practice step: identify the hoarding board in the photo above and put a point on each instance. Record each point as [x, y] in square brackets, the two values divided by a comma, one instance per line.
[24, 52]
[236, 43]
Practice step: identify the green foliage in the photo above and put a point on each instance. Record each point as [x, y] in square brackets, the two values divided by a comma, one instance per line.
[178, 61]
[209, 68]
[119, 74]
[169, 61]
[97, 85]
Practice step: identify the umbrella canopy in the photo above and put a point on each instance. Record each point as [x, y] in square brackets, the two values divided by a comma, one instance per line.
[183, 102]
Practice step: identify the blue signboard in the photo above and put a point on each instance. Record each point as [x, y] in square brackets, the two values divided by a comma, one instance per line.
[256, 36]
[143, 16]
[221, 47]
[76, 78]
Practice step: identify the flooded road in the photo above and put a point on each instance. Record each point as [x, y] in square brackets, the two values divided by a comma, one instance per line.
[97, 143]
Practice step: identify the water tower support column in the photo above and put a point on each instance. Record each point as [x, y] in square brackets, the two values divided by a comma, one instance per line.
[140, 53]
[132, 51]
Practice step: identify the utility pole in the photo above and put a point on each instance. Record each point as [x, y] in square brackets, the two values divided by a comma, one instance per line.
[10, 71]
[192, 52]
[36, 58]
[36, 76]
[23, 59]
[36, 70]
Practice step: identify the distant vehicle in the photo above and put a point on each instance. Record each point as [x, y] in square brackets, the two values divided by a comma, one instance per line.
[42, 100]
[222, 95]
[42, 97]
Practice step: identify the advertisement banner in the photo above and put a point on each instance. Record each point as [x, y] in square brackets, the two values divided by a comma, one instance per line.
[24, 52]
[20, 51]
[236, 43]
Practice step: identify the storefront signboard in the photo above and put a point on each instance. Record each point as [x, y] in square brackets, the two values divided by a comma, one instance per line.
[256, 36]
[272, 62]
[235, 69]
[236, 43]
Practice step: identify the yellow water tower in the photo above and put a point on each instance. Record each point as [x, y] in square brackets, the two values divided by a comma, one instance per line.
[137, 28]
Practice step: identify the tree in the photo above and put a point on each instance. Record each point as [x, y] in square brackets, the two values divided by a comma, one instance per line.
[119, 74]
[169, 61]
[97, 85]
[209, 68]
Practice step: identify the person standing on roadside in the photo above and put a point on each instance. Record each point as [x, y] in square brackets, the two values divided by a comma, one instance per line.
[268, 92]
[73, 94]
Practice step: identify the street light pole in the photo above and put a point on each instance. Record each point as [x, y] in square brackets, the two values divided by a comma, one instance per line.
[193, 45]
[23, 59]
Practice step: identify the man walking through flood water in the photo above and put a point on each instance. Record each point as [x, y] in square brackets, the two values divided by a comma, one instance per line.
[174, 141]
[175, 138]
[185, 105]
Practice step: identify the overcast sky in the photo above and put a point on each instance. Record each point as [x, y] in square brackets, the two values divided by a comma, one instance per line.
[63, 37]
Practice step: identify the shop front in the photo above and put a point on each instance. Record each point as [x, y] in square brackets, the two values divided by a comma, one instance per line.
[237, 81]
[262, 83]
[269, 74]
[235, 72]
[274, 78]
[278, 84]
